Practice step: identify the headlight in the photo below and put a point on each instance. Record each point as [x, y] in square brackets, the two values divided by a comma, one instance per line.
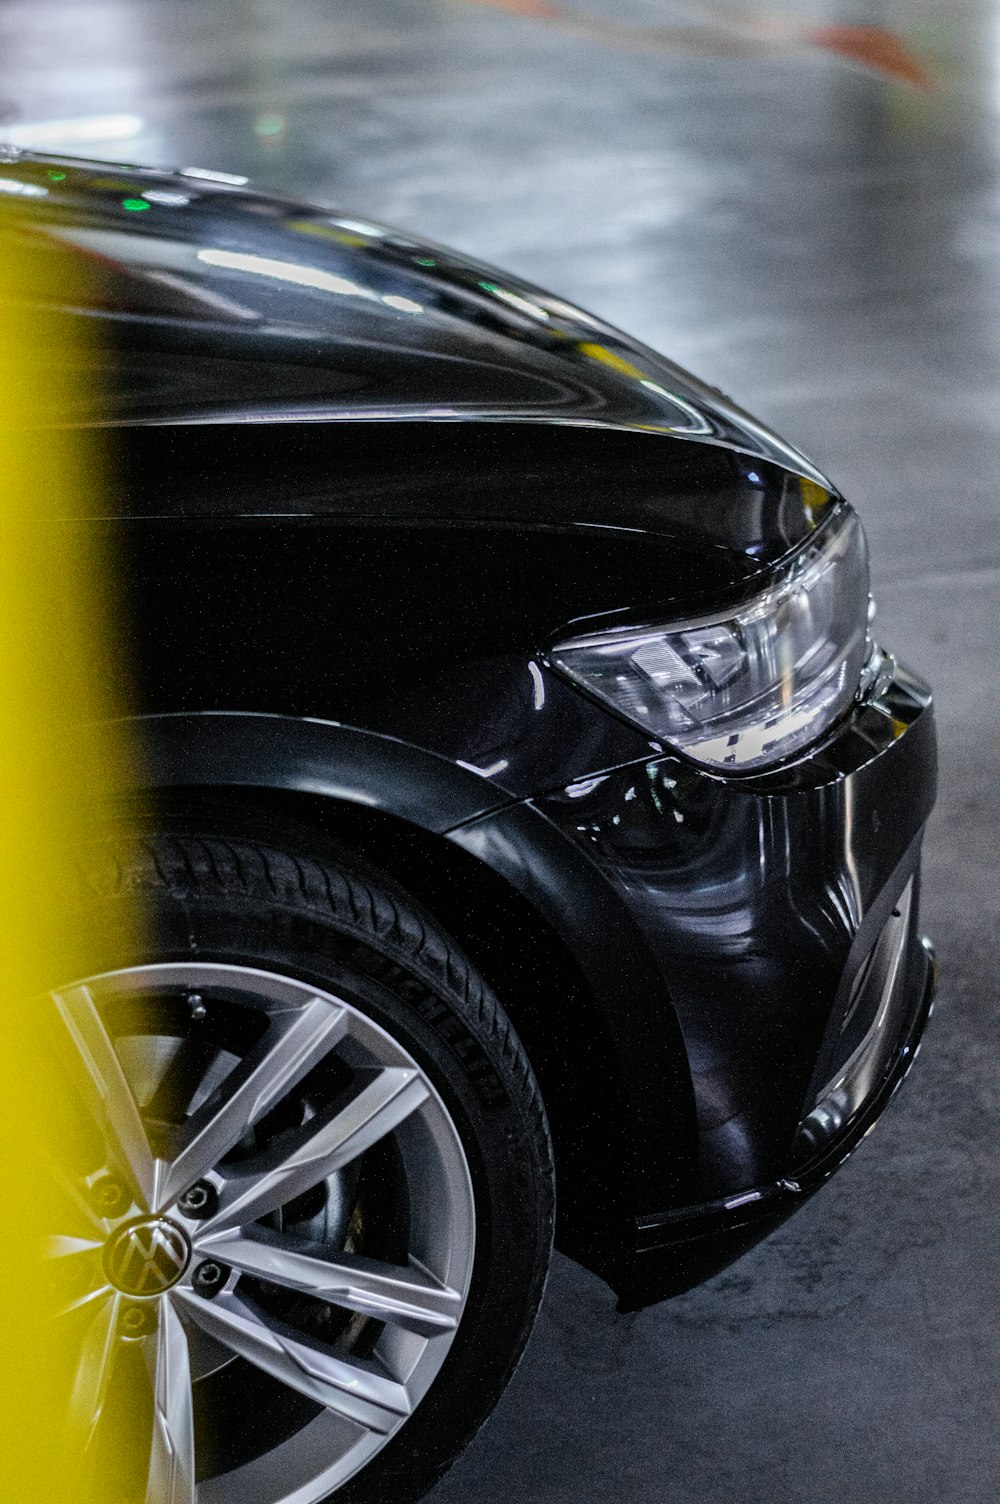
[744, 689]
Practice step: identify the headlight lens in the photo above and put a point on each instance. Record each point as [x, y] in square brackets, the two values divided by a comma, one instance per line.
[750, 688]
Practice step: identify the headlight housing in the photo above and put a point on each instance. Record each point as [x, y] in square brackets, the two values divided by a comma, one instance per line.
[749, 687]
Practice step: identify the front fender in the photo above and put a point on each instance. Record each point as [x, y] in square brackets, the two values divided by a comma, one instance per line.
[520, 846]
[295, 755]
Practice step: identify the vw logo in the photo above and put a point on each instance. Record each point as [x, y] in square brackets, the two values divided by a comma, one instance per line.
[146, 1258]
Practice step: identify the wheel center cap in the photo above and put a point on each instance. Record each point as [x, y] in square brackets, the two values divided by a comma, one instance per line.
[147, 1257]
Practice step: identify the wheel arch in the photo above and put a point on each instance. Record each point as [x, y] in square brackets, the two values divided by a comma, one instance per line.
[534, 915]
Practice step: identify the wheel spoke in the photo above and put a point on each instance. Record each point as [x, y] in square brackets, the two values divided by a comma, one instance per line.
[406, 1297]
[171, 1458]
[89, 1297]
[99, 1076]
[93, 1372]
[389, 1097]
[72, 1203]
[77, 1274]
[67, 1248]
[260, 1081]
[354, 1389]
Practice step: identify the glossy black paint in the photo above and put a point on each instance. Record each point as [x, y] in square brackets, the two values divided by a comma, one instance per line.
[355, 484]
[677, 1249]
[760, 902]
[257, 305]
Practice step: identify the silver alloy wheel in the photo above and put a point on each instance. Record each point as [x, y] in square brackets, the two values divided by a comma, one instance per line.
[187, 1231]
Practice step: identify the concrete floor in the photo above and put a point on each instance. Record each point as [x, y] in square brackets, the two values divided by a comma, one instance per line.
[806, 210]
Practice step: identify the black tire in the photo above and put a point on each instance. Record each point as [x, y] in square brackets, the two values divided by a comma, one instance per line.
[301, 906]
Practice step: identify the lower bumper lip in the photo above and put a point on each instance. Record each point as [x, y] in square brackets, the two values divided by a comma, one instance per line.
[720, 1231]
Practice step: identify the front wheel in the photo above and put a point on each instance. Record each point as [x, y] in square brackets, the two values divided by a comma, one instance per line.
[308, 1238]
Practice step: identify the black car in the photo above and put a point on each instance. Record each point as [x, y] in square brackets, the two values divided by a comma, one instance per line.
[524, 817]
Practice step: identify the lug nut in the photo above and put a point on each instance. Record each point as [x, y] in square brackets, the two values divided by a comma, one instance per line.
[137, 1321]
[110, 1196]
[209, 1277]
[199, 1200]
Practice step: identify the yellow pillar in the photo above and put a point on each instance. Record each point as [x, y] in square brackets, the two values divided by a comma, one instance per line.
[53, 670]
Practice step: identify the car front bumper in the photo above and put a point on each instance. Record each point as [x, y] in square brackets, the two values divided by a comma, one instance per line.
[783, 914]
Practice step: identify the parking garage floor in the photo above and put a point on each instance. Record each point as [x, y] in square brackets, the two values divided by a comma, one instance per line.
[799, 199]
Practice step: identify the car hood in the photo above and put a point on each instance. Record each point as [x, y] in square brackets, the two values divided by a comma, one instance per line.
[220, 304]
